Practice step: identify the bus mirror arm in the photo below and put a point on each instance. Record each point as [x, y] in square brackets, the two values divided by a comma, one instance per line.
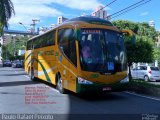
[131, 34]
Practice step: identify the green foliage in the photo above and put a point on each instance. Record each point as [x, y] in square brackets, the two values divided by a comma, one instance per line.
[142, 50]
[6, 11]
[11, 48]
[124, 24]
[141, 83]
[157, 53]
[1, 29]
[146, 31]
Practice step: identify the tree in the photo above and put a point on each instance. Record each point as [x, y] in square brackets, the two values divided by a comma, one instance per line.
[157, 54]
[6, 11]
[142, 50]
[10, 50]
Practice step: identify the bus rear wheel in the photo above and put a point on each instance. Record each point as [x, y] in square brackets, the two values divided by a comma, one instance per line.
[59, 85]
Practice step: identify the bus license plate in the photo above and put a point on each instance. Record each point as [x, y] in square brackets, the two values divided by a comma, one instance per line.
[107, 89]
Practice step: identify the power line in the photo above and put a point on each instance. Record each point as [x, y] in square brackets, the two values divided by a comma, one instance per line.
[127, 7]
[131, 9]
[133, 6]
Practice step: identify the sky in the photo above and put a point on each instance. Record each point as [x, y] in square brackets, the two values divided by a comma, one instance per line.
[47, 11]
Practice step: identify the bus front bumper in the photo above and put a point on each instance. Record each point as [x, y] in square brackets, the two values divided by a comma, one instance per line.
[99, 88]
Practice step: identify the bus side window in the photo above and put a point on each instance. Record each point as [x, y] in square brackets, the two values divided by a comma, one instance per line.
[63, 42]
[29, 45]
[67, 44]
[72, 47]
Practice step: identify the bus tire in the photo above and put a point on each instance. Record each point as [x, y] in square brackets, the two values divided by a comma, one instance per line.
[59, 85]
[31, 75]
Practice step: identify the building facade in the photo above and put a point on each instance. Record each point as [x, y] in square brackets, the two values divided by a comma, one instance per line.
[61, 19]
[100, 12]
[151, 23]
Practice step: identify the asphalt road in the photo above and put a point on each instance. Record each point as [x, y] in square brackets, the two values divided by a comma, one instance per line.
[20, 95]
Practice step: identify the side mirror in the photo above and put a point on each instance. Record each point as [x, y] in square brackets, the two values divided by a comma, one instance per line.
[131, 34]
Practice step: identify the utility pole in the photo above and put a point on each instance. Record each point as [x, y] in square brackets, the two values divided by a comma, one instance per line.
[23, 25]
[34, 24]
[14, 44]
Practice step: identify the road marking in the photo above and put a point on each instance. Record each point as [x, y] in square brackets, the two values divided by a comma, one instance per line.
[142, 96]
[54, 90]
[26, 76]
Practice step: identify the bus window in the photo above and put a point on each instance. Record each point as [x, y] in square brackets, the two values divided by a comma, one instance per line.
[67, 44]
[29, 45]
[104, 49]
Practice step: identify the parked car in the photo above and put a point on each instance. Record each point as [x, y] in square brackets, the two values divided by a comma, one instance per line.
[16, 64]
[1, 63]
[7, 63]
[147, 73]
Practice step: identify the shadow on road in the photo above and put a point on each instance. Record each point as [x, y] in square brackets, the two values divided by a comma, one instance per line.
[90, 97]
[5, 70]
[12, 69]
[17, 83]
[103, 97]
[15, 74]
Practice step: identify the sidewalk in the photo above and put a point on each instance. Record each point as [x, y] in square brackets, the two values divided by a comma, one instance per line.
[155, 83]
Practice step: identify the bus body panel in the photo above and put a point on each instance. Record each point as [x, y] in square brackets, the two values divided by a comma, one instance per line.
[68, 73]
[27, 60]
[105, 79]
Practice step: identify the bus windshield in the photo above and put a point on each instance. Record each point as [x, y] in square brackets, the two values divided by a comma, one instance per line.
[102, 50]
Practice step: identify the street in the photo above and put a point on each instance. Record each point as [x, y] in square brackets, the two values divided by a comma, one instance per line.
[16, 97]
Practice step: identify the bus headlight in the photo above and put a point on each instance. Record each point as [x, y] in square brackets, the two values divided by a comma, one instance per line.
[125, 80]
[83, 81]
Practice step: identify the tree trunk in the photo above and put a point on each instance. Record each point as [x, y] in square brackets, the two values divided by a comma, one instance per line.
[129, 74]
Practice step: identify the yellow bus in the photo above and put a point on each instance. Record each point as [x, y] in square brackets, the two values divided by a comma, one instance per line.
[84, 54]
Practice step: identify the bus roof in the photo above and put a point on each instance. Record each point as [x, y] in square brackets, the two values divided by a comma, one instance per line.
[92, 20]
[87, 19]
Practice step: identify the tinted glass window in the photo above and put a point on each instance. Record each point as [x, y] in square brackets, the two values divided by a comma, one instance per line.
[60, 35]
[102, 50]
[154, 68]
[72, 47]
[67, 44]
[50, 38]
[29, 45]
[138, 68]
[143, 68]
[45, 40]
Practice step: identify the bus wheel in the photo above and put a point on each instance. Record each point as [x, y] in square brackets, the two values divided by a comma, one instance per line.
[31, 74]
[59, 85]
